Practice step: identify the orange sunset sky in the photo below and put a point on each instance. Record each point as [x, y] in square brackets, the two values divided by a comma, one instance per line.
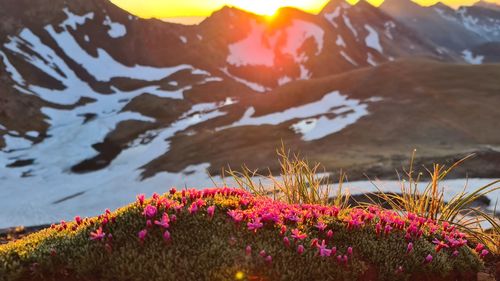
[202, 8]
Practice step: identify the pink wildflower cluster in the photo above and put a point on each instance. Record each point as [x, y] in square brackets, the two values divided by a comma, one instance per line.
[303, 227]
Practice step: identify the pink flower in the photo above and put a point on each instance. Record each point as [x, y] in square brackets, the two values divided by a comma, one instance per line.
[166, 236]
[439, 244]
[314, 242]
[286, 241]
[269, 259]
[455, 253]
[149, 224]
[354, 223]
[479, 247]
[78, 220]
[345, 259]
[409, 248]
[173, 190]
[349, 251]
[211, 211]
[255, 224]
[140, 199]
[378, 228]
[387, 229]
[283, 230]
[165, 221]
[323, 250]
[200, 202]
[321, 226]
[156, 196]
[97, 235]
[142, 235]
[193, 208]
[235, 215]
[484, 253]
[329, 234]
[297, 235]
[300, 249]
[262, 253]
[150, 211]
[292, 218]
[428, 259]
[248, 250]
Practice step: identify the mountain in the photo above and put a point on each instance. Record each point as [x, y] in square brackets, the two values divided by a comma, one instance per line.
[378, 31]
[484, 21]
[457, 30]
[487, 5]
[437, 23]
[97, 105]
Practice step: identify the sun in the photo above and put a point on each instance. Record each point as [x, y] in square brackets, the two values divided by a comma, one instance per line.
[261, 7]
[269, 7]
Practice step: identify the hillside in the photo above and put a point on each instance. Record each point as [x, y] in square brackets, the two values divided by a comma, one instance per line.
[433, 98]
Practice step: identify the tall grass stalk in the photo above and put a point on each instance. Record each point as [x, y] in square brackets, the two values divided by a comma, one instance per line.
[299, 182]
[430, 203]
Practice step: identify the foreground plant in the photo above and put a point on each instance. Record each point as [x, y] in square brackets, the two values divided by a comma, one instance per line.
[227, 234]
[429, 202]
[300, 182]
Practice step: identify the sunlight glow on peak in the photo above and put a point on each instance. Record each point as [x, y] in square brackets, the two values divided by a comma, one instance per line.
[261, 7]
[203, 8]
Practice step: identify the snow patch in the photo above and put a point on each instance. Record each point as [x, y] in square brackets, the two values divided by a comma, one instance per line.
[116, 29]
[284, 80]
[340, 41]
[318, 123]
[13, 143]
[259, 48]
[348, 23]
[333, 15]
[450, 187]
[33, 134]
[470, 58]
[389, 26]
[26, 203]
[14, 74]
[74, 21]
[252, 85]
[372, 40]
[348, 58]
[370, 60]
[183, 39]
[45, 59]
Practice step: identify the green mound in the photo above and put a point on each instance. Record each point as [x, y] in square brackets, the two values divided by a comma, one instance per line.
[228, 234]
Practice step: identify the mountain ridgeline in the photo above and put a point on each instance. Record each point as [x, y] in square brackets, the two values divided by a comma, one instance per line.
[95, 101]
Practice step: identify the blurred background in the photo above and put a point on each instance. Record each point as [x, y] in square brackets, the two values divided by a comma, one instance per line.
[102, 100]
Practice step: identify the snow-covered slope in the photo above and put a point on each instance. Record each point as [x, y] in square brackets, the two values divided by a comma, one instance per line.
[97, 105]
[109, 100]
[452, 31]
